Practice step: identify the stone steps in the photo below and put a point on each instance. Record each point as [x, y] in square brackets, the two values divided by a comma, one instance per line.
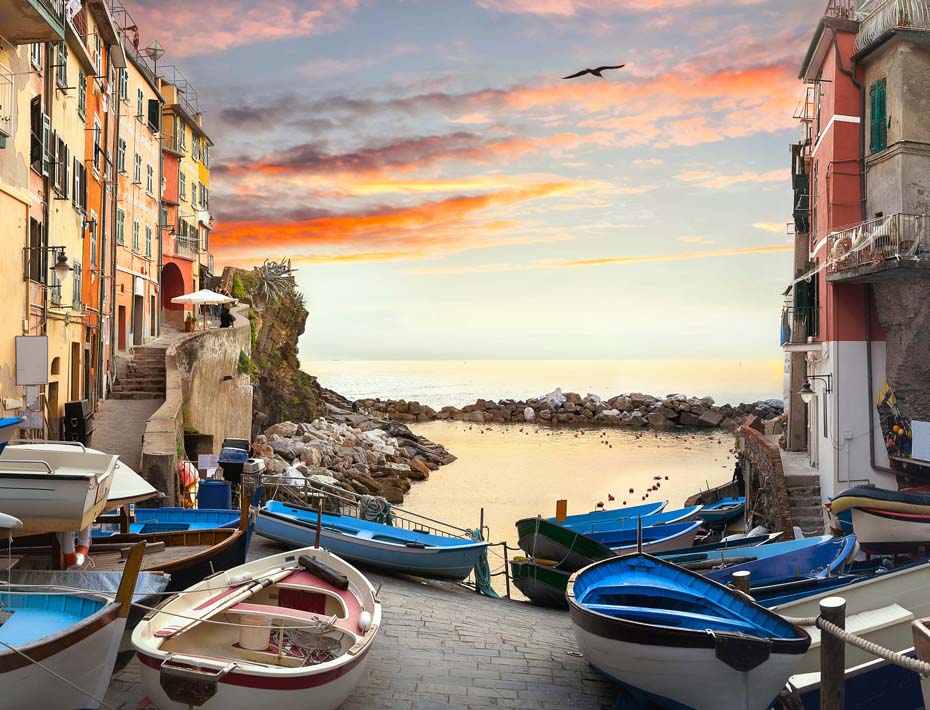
[131, 394]
[796, 480]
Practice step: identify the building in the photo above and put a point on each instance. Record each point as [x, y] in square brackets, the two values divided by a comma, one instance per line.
[856, 329]
[138, 107]
[185, 203]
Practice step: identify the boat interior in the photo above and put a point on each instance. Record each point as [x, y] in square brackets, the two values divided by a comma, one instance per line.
[27, 616]
[302, 620]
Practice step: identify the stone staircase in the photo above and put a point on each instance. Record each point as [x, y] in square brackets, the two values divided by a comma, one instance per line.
[805, 502]
[142, 375]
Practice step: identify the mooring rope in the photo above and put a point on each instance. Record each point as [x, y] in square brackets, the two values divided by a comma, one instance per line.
[60, 677]
[870, 647]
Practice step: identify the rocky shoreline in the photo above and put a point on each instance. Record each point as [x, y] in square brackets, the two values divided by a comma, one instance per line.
[634, 410]
[367, 456]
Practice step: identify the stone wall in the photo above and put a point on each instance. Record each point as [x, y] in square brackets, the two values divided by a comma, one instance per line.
[195, 391]
[766, 490]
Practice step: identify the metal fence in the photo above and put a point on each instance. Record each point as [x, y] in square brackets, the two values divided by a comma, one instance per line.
[841, 9]
[799, 324]
[877, 18]
[898, 237]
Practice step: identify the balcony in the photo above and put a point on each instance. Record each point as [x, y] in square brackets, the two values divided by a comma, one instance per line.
[841, 9]
[27, 21]
[186, 248]
[881, 17]
[878, 249]
[799, 327]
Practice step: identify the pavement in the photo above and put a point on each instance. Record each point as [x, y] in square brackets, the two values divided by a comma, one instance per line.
[442, 646]
[119, 425]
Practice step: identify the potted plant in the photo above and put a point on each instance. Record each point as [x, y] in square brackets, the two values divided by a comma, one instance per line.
[190, 325]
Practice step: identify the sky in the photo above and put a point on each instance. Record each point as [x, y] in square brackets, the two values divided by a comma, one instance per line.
[445, 194]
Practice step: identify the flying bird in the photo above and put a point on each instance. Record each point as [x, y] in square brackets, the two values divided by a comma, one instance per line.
[595, 72]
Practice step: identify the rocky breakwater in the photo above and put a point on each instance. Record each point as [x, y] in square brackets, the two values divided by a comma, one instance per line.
[569, 408]
[367, 456]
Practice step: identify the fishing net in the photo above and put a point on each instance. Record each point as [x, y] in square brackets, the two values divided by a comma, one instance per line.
[313, 644]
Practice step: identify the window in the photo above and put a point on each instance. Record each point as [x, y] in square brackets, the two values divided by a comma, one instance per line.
[79, 194]
[204, 197]
[206, 155]
[149, 179]
[35, 55]
[121, 156]
[120, 226]
[38, 257]
[193, 194]
[98, 151]
[182, 135]
[61, 168]
[82, 94]
[154, 115]
[61, 64]
[137, 170]
[98, 54]
[92, 233]
[140, 100]
[76, 281]
[878, 117]
[182, 187]
[148, 242]
[195, 148]
[54, 288]
[135, 235]
[123, 80]
[163, 220]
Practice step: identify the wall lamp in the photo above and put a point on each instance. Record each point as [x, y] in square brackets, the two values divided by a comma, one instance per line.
[61, 267]
[807, 392]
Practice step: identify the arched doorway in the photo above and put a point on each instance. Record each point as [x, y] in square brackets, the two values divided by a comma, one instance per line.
[172, 285]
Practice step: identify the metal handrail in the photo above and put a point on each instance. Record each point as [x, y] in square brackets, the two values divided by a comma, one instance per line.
[897, 237]
[37, 462]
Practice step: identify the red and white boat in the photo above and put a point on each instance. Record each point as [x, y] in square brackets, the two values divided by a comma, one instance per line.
[290, 632]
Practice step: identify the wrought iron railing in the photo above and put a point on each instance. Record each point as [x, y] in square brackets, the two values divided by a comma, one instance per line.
[877, 18]
[841, 9]
[897, 238]
[799, 324]
[187, 96]
[186, 248]
[55, 7]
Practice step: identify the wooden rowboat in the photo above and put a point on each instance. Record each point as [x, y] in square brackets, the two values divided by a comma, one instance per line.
[883, 520]
[296, 631]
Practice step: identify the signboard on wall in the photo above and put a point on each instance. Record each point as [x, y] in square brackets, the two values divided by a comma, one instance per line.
[31, 360]
[920, 444]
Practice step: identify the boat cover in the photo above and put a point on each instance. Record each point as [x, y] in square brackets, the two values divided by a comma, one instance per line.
[880, 498]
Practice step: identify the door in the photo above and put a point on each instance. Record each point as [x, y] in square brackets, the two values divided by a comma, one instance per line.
[75, 371]
[152, 310]
[138, 319]
[121, 328]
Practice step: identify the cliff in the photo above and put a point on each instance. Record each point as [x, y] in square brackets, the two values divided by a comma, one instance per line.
[278, 317]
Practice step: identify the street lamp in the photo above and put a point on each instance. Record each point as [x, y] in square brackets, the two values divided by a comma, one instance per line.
[807, 393]
[61, 267]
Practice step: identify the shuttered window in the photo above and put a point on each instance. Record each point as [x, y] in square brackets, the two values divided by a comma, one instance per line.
[878, 116]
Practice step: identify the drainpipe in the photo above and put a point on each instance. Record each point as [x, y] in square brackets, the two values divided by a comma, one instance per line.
[868, 355]
[101, 389]
[116, 108]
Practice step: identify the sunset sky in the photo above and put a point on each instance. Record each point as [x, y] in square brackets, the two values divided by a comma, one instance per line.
[445, 194]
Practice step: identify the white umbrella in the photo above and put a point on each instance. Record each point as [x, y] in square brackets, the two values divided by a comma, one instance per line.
[203, 297]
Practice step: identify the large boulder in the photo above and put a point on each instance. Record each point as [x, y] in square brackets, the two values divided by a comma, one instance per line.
[287, 449]
[475, 417]
[657, 421]
[689, 419]
[529, 415]
[283, 429]
[419, 471]
[710, 418]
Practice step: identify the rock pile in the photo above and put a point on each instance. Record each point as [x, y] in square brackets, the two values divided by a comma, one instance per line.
[624, 410]
[366, 455]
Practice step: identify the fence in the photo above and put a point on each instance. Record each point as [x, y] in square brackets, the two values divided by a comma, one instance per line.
[898, 237]
[877, 18]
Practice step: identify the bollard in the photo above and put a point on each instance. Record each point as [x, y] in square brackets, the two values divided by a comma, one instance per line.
[741, 581]
[832, 656]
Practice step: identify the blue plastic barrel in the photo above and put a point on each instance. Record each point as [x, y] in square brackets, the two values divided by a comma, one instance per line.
[215, 494]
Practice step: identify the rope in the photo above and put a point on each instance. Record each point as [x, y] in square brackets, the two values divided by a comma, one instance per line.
[482, 568]
[375, 509]
[60, 677]
[898, 659]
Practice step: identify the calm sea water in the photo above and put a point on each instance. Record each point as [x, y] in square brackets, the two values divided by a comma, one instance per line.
[515, 472]
[450, 382]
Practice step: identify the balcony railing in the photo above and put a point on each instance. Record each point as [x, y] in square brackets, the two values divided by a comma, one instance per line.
[799, 325]
[23, 22]
[7, 104]
[877, 18]
[879, 244]
[186, 248]
[841, 9]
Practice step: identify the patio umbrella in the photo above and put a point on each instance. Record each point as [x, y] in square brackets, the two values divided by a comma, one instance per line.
[203, 297]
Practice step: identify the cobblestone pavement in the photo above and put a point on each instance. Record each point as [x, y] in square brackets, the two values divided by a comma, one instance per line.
[119, 425]
[442, 647]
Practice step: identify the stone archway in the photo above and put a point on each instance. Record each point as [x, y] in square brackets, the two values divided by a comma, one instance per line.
[172, 285]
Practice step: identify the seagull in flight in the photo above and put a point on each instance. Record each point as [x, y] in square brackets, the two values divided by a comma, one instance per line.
[595, 72]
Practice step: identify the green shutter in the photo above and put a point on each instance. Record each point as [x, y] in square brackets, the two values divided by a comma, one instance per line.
[878, 115]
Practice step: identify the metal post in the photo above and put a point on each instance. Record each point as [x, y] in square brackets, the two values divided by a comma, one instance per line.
[832, 656]
[506, 569]
[741, 581]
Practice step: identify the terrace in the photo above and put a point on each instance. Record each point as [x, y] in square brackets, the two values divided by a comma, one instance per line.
[879, 249]
[879, 18]
[26, 21]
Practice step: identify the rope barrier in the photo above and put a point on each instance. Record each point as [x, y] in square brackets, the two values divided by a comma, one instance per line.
[870, 647]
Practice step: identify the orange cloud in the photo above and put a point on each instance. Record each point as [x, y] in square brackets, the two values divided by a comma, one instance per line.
[716, 181]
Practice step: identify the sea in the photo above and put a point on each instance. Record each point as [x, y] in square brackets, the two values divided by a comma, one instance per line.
[508, 472]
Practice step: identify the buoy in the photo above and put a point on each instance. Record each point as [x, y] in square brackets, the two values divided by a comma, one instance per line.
[600, 504]
[364, 621]
[240, 578]
[610, 497]
[666, 478]
[631, 490]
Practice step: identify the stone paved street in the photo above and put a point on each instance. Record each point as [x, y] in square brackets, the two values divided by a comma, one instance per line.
[442, 647]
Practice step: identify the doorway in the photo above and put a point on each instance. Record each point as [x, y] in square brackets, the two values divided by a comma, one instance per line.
[152, 311]
[121, 328]
[75, 371]
[138, 319]
[54, 421]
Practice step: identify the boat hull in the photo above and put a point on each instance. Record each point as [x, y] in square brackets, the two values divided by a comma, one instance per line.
[243, 691]
[890, 530]
[541, 584]
[453, 563]
[85, 655]
[548, 541]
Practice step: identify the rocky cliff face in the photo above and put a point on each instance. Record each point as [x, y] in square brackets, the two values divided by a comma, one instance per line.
[282, 391]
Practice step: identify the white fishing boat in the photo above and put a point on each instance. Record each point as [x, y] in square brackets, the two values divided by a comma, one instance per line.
[290, 632]
[880, 609]
[47, 635]
[55, 488]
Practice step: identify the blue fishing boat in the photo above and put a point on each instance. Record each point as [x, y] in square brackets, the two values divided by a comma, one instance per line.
[8, 427]
[158, 520]
[674, 638]
[723, 511]
[374, 544]
[655, 539]
[791, 562]
[600, 516]
[668, 516]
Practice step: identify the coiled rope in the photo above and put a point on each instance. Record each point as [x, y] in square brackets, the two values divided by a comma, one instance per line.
[898, 659]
